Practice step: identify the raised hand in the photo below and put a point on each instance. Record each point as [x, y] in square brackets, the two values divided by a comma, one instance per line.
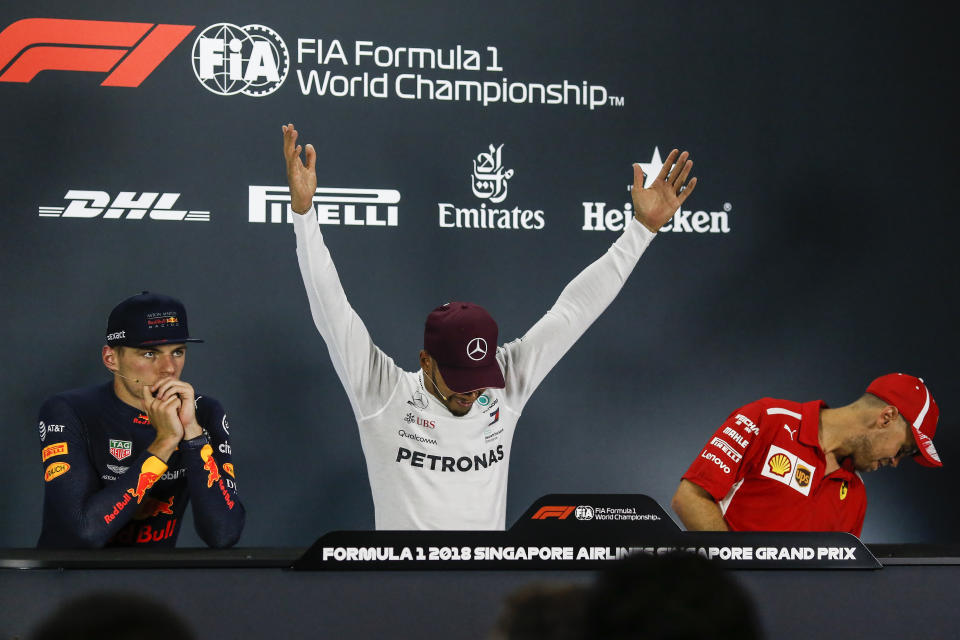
[301, 178]
[655, 205]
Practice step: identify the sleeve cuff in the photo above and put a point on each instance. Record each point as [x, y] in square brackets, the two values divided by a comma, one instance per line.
[195, 443]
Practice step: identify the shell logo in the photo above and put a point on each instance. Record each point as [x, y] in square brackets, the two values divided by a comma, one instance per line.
[843, 490]
[780, 465]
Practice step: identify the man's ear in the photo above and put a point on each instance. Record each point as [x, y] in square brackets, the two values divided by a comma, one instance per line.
[425, 363]
[109, 356]
[888, 416]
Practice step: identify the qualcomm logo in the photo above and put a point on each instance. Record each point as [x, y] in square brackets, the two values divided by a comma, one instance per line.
[597, 218]
[489, 181]
[252, 60]
[152, 204]
[350, 207]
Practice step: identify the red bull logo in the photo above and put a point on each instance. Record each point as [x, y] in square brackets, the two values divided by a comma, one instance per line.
[152, 507]
[213, 473]
[117, 508]
[149, 534]
[151, 470]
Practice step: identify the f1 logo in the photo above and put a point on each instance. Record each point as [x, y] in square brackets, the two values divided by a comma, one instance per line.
[560, 513]
[129, 50]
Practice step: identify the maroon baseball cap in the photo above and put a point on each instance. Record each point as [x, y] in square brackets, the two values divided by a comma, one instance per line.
[462, 338]
[913, 400]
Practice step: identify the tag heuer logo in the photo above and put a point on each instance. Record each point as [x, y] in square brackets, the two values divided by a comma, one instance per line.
[121, 449]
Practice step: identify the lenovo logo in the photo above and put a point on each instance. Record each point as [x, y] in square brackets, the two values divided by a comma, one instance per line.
[129, 51]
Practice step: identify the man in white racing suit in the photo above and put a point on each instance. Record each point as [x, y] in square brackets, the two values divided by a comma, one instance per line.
[437, 441]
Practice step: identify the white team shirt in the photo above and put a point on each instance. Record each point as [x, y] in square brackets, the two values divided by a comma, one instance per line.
[429, 469]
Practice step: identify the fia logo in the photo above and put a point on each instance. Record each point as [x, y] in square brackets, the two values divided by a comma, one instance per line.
[489, 179]
[252, 60]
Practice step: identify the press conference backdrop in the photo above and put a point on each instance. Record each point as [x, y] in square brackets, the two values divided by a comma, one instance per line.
[816, 253]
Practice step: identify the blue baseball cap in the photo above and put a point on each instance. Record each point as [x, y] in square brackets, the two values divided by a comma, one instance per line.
[146, 320]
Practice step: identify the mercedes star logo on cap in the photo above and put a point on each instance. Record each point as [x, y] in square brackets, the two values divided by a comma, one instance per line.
[477, 349]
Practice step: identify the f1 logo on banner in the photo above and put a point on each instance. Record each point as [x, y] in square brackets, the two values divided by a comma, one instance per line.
[130, 51]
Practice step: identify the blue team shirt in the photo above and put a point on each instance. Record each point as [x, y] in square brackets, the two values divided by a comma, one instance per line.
[102, 488]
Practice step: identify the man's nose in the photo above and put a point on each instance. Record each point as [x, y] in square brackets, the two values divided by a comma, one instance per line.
[167, 364]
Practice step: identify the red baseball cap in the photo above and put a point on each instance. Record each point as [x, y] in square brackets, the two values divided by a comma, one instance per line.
[912, 399]
[462, 338]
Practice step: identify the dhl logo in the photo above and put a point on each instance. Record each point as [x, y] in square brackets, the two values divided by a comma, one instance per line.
[130, 51]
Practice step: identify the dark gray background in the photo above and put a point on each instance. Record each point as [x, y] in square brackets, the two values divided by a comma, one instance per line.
[825, 127]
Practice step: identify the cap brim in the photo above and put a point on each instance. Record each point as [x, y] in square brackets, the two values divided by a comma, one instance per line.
[153, 343]
[467, 379]
[928, 456]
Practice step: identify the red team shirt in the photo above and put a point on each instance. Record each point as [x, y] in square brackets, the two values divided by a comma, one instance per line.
[764, 467]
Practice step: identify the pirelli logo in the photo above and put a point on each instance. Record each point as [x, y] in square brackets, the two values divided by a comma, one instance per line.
[128, 51]
[58, 449]
[725, 446]
[334, 206]
[560, 513]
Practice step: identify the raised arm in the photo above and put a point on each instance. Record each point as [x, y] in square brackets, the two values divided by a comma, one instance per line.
[364, 370]
[655, 205]
[528, 360]
[301, 178]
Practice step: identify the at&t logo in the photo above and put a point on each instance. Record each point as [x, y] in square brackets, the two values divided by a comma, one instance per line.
[252, 60]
